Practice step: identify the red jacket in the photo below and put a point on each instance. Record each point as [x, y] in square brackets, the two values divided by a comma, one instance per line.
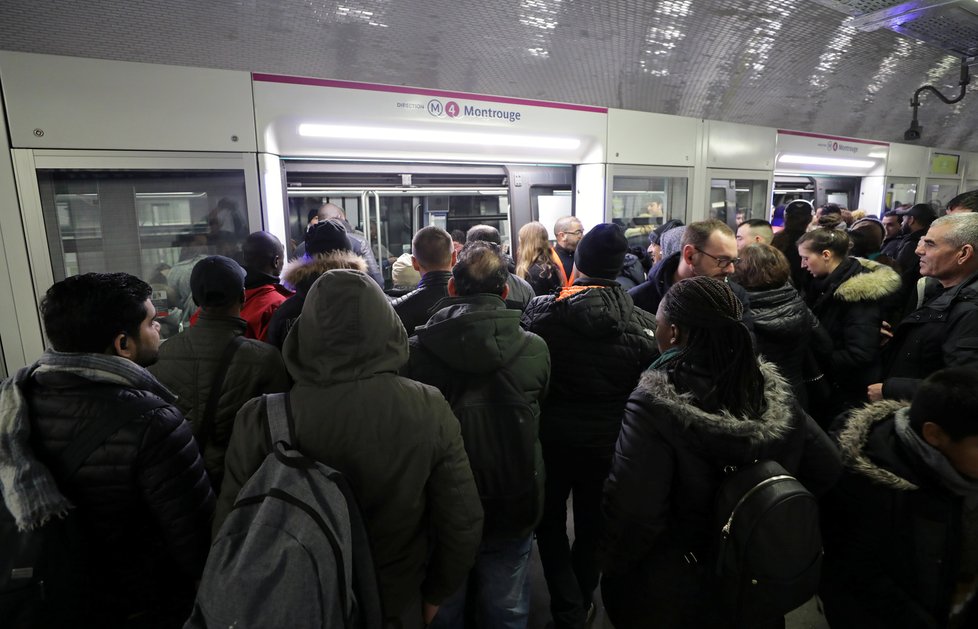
[260, 303]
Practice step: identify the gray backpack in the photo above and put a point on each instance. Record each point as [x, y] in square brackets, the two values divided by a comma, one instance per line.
[293, 552]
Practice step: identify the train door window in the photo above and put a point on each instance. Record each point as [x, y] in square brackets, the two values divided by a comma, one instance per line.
[153, 224]
[640, 202]
[840, 198]
[735, 200]
[902, 190]
[938, 193]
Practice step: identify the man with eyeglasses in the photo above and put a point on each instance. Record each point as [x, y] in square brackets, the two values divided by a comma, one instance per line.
[709, 249]
[568, 231]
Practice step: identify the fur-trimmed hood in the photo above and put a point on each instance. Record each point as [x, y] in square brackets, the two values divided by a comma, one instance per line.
[854, 443]
[875, 282]
[299, 274]
[775, 422]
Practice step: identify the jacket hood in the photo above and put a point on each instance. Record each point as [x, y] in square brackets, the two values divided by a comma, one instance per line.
[854, 443]
[299, 274]
[347, 331]
[725, 431]
[594, 308]
[875, 282]
[476, 334]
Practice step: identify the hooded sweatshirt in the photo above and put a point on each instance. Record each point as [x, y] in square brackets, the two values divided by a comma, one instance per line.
[395, 440]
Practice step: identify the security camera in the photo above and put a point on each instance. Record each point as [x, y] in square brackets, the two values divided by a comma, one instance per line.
[913, 133]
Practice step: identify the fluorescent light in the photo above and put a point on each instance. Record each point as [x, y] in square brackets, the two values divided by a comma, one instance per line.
[432, 136]
[879, 154]
[826, 161]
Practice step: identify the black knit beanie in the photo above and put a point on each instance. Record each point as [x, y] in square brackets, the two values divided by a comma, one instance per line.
[602, 251]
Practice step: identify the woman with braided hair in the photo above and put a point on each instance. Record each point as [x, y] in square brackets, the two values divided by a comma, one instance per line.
[705, 404]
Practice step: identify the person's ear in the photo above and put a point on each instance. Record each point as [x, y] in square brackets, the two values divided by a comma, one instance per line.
[676, 335]
[934, 435]
[505, 293]
[122, 347]
[454, 257]
[688, 251]
[451, 287]
[967, 253]
[414, 263]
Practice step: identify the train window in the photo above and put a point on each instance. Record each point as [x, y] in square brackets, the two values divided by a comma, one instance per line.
[901, 190]
[940, 192]
[153, 224]
[640, 203]
[734, 201]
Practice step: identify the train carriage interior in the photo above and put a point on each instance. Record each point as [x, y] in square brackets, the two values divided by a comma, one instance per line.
[142, 135]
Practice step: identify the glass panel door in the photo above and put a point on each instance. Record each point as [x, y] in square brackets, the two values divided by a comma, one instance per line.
[153, 224]
[735, 200]
[641, 199]
[901, 190]
[938, 193]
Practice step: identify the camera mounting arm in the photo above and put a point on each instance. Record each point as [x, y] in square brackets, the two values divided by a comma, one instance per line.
[913, 133]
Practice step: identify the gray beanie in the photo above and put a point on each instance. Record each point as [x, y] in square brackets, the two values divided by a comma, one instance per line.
[671, 241]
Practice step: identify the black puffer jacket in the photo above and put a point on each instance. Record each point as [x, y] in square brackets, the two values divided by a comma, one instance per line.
[942, 333]
[599, 344]
[892, 532]
[660, 496]
[848, 304]
[785, 329]
[416, 307]
[143, 497]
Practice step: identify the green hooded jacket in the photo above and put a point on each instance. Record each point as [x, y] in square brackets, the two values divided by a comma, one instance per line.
[395, 440]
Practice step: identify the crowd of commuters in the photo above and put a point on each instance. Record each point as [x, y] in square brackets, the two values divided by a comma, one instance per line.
[467, 410]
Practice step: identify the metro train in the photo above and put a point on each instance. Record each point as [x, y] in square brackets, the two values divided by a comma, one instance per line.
[115, 165]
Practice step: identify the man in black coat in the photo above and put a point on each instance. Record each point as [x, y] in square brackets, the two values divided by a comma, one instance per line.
[901, 527]
[358, 242]
[599, 345]
[433, 256]
[943, 331]
[142, 500]
[520, 291]
[709, 248]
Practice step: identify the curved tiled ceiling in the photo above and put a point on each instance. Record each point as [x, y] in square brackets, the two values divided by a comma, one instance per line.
[793, 64]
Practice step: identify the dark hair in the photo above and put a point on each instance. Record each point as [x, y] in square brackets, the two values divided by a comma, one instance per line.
[481, 268]
[831, 208]
[863, 242]
[967, 200]
[311, 214]
[949, 398]
[458, 236]
[761, 267]
[755, 222]
[432, 247]
[699, 232]
[834, 240]
[485, 233]
[84, 313]
[709, 313]
[260, 249]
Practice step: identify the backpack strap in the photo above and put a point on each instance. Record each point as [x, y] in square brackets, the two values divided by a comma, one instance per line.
[276, 406]
[217, 385]
[95, 434]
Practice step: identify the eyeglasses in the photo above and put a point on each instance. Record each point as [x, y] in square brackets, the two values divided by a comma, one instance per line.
[722, 262]
[576, 232]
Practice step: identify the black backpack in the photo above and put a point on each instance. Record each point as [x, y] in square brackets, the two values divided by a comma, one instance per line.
[500, 432]
[769, 553]
[43, 573]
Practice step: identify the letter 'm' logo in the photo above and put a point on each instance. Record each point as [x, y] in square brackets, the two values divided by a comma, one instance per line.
[435, 107]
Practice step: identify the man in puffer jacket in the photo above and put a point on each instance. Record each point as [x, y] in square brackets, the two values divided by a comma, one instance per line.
[461, 350]
[395, 440]
[327, 248]
[142, 499]
[599, 345]
[189, 361]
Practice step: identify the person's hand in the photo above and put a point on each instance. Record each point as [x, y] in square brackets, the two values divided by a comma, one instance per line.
[886, 333]
[875, 392]
[428, 613]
